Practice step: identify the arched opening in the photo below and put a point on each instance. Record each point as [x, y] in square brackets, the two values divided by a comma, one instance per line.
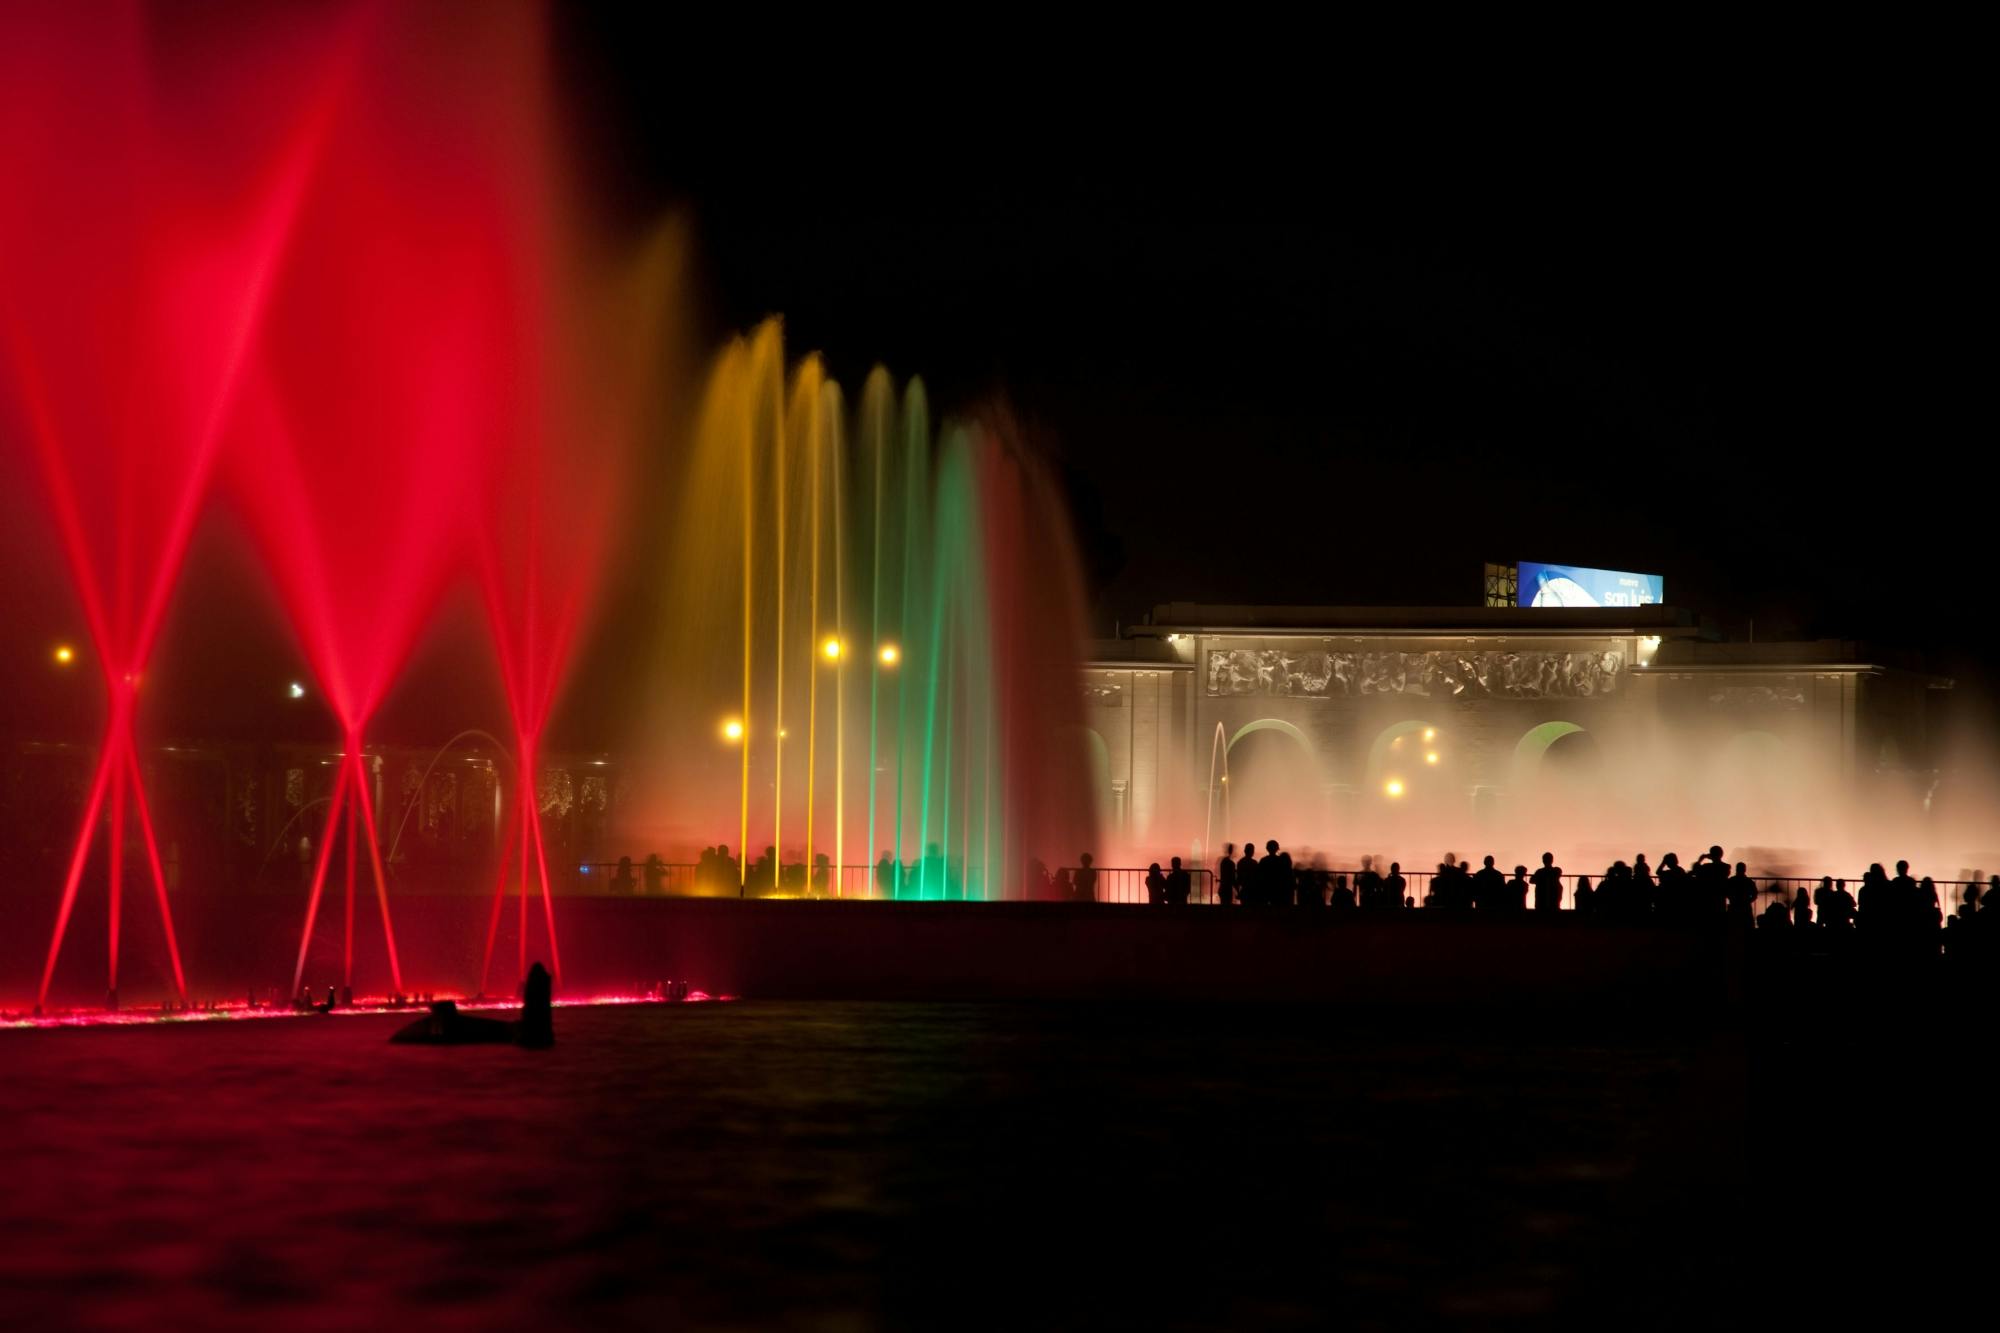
[1410, 758]
[1098, 756]
[1275, 786]
[1555, 750]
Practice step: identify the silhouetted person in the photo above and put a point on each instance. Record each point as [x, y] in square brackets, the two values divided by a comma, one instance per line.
[1905, 902]
[1776, 916]
[1823, 903]
[1873, 910]
[1064, 889]
[1225, 876]
[885, 873]
[1086, 880]
[1516, 897]
[623, 881]
[822, 872]
[726, 863]
[1276, 872]
[1643, 893]
[1180, 885]
[537, 1009]
[1926, 915]
[1739, 891]
[1709, 884]
[1549, 885]
[1368, 885]
[1250, 877]
[1674, 894]
[1801, 909]
[1488, 886]
[656, 875]
[1615, 893]
[1156, 885]
[1585, 897]
[1395, 888]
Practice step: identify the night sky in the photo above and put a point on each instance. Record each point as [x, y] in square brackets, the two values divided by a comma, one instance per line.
[1286, 349]
[1288, 352]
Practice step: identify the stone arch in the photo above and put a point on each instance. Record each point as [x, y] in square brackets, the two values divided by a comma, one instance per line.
[1273, 724]
[1535, 743]
[1385, 742]
[1097, 758]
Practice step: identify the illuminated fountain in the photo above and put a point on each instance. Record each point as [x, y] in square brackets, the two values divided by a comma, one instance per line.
[904, 614]
[133, 284]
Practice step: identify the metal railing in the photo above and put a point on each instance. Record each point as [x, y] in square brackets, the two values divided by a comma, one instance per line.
[1127, 884]
[1121, 884]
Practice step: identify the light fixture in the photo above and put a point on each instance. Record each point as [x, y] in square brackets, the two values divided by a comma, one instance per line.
[832, 649]
[1393, 788]
[732, 730]
[890, 655]
[296, 690]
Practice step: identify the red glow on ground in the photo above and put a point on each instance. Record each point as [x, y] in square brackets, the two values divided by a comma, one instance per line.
[369, 1005]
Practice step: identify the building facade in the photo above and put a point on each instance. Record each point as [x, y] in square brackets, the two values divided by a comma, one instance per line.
[1361, 713]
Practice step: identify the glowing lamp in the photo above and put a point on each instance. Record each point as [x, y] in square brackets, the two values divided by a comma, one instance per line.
[296, 690]
[732, 730]
[832, 650]
[64, 654]
[1431, 758]
[1430, 733]
[1393, 788]
[890, 655]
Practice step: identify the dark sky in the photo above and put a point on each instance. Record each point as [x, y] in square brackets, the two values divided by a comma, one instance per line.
[1292, 347]
[1288, 352]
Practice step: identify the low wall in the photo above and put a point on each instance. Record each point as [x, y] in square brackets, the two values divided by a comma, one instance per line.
[878, 950]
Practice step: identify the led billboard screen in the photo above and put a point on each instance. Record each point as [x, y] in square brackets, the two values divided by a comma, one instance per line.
[1573, 585]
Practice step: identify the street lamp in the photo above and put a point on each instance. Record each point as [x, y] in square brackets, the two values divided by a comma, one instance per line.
[890, 654]
[732, 731]
[833, 650]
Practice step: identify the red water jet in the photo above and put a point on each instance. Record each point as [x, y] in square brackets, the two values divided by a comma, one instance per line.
[134, 276]
[389, 375]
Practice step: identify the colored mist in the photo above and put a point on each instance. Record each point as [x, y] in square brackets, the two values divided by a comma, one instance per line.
[1600, 795]
[876, 629]
[321, 261]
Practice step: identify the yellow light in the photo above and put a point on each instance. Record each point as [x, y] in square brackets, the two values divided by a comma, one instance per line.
[1394, 787]
[732, 730]
[1430, 733]
[890, 655]
[65, 654]
[832, 649]
[1431, 758]
[782, 733]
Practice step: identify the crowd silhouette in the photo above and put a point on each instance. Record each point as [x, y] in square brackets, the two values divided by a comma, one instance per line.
[1711, 889]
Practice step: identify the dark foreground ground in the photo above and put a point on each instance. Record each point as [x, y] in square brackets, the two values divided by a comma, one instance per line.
[855, 1165]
